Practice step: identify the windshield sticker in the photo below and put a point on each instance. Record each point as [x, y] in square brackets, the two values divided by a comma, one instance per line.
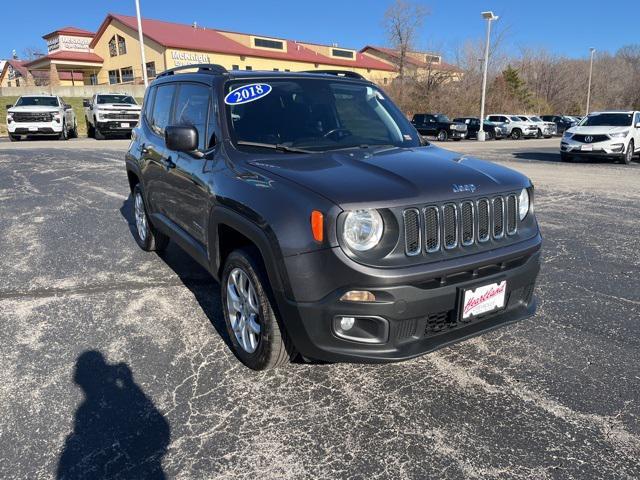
[247, 93]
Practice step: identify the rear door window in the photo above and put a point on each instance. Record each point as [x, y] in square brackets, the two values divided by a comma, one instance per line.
[162, 108]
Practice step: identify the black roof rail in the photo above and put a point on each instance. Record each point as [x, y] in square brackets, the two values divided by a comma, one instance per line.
[338, 73]
[210, 68]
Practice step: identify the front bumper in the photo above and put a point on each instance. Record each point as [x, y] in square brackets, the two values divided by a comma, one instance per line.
[614, 148]
[457, 134]
[116, 125]
[421, 311]
[34, 128]
[530, 133]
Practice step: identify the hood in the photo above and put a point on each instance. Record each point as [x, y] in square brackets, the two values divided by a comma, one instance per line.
[33, 108]
[392, 177]
[602, 130]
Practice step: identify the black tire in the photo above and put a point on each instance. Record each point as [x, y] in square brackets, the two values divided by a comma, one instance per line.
[442, 136]
[488, 136]
[90, 130]
[628, 155]
[273, 347]
[152, 240]
[565, 157]
[73, 133]
[14, 138]
[457, 139]
[97, 134]
[539, 134]
[64, 134]
[516, 134]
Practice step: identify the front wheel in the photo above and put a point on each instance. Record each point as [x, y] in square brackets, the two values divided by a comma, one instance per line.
[628, 156]
[442, 136]
[98, 135]
[256, 335]
[516, 134]
[64, 134]
[147, 237]
[539, 134]
[14, 138]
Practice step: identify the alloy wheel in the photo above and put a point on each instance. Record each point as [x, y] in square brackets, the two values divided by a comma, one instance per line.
[244, 310]
[141, 217]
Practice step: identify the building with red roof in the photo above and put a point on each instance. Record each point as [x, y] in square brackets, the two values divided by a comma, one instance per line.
[111, 55]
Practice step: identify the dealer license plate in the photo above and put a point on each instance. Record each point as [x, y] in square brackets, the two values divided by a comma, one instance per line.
[33, 129]
[587, 148]
[484, 299]
[125, 125]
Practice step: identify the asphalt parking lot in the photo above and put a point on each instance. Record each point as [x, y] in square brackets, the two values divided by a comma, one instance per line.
[113, 356]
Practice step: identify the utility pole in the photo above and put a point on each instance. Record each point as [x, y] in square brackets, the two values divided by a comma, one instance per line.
[141, 40]
[489, 17]
[593, 51]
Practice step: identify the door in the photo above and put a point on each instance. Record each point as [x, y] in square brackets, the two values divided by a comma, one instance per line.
[157, 161]
[188, 180]
[636, 131]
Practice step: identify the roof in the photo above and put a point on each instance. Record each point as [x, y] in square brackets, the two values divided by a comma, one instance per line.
[66, 55]
[410, 59]
[186, 37]
[18, 65]
[72, 31]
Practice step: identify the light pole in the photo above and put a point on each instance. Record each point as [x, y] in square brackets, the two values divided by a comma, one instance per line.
[593, 51]
[489, 17]
[141, 40]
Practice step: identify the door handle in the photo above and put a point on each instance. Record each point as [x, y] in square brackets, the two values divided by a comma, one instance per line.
[169, 163]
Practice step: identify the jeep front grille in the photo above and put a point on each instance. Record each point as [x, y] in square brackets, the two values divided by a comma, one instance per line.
[437, 228]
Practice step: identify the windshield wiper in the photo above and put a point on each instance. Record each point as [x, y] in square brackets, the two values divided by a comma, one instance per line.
[363, 146]
[273, 146]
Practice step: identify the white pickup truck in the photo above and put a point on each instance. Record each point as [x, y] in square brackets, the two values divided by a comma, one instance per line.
[109, 114]
[41, 115]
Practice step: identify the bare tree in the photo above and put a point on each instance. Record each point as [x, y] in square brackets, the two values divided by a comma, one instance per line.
[31, 53]
[403, 20]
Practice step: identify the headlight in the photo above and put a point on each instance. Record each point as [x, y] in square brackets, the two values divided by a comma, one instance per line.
[619, 134]
[362, 229]
[523, 203]
[567, 135]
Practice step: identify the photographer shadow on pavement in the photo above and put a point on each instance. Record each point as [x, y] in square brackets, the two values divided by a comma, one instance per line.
[118, 432]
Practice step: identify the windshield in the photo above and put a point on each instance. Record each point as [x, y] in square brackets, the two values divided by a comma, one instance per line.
[102, 99]
[536, 119]
[37, 101]
[442, 118]
[608, 120]
[516, 119]
[315, 115]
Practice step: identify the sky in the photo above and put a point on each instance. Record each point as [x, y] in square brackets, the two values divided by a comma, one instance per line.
[567, 27]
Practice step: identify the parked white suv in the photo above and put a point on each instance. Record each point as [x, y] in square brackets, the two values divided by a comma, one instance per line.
[545, 129]
[614, 135]
[110, 113]
[515, 126]
[41, 115]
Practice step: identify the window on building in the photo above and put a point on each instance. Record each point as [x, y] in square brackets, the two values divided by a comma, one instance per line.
[432, 59]
[114, 76]
[248, 67]
[127, 74]
[276, 69]
[267, 43]
[122, 46]
[235, 67]
[384, 80]
[192, 107]
[151, 69]
[337, 52]
[113, 51]
[287, 70]
[93, 79]
[162, 108]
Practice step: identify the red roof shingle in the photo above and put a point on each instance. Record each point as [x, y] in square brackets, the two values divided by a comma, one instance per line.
[67, 55]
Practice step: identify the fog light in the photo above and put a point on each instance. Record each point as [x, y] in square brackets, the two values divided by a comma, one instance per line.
[618, 147]
[358, 296]
[346, 323]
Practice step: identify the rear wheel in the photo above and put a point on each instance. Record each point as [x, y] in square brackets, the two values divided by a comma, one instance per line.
[442, 136]
[256, 335]
[147, 237]
[74, 130]
[628, 156]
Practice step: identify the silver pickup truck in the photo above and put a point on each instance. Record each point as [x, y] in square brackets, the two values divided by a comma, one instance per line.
[109, 114]
[516, 127]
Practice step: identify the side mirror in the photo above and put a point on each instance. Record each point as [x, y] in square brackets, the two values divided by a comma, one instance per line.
[638, 125]
[181, 138]
[68, 107]
[9, 106]
[86, 103]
